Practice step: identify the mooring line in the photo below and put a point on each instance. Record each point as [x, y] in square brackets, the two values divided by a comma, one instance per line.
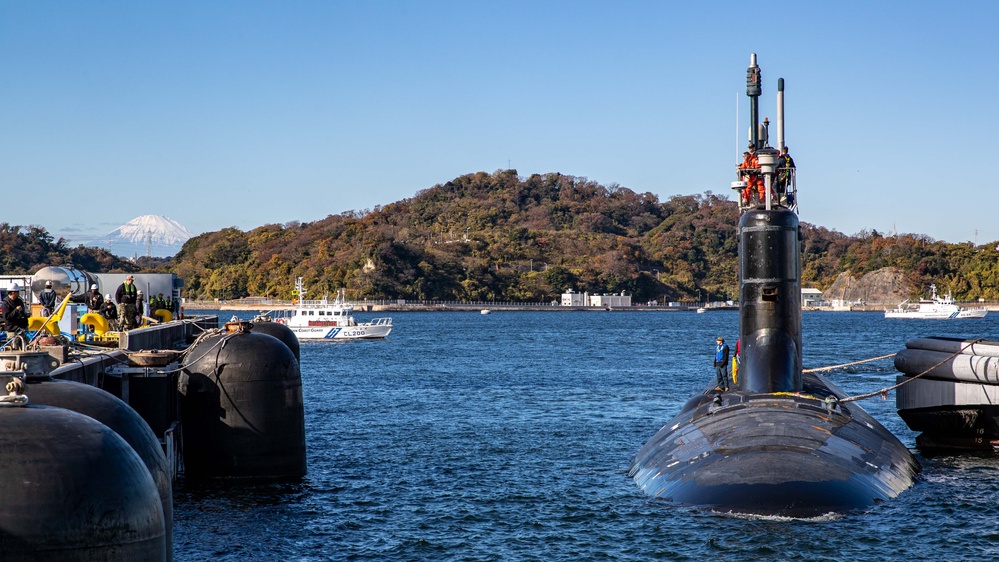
[883, 393]
[820, 369]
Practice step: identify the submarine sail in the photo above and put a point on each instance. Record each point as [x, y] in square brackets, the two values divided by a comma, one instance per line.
[780, 442]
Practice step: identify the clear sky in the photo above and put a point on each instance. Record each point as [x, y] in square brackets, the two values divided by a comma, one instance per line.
[244, 113]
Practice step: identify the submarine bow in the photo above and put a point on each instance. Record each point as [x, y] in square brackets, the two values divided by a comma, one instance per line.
[781, 442]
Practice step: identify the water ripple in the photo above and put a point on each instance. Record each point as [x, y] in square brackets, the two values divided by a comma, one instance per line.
[507, 437]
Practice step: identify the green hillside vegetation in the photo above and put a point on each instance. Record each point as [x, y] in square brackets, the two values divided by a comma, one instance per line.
[497, 237]
[483, 237]
[25, 250]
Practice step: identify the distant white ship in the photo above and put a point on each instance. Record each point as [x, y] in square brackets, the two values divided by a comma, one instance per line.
[935, 308]
[323, 319]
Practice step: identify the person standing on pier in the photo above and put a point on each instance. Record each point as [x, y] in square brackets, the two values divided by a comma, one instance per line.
[95, 300]
[47, 298]
[14, 313]
[110, 311]
[126, 296]
[140, 308]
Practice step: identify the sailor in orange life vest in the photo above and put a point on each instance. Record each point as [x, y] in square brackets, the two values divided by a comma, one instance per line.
[747, 162]
[752, 177]
[761, 189]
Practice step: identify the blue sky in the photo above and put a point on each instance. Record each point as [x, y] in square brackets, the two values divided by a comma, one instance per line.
[246, 113]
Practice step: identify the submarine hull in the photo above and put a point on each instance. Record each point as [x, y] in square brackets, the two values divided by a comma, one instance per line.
[774, 454]
[783, 443]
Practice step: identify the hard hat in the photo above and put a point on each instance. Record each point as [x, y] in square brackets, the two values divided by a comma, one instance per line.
[108, 296]
[15, 287]
[94, 286]
[48, 283]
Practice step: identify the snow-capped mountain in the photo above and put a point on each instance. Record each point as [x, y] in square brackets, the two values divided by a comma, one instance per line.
[148, 235]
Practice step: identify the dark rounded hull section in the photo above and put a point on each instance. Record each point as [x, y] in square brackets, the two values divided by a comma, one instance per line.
[778, 454]
[955, 428]
[74, 490]
[242, 409]
[117, 415]
[281, 332]
[949, 393]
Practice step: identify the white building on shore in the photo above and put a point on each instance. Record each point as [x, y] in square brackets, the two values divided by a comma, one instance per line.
[811, 297]
[571, 298]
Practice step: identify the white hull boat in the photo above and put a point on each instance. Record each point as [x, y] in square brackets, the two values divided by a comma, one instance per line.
[935, 308]
[323, 319]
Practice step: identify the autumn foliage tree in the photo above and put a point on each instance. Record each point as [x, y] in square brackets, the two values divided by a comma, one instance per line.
[501, 237]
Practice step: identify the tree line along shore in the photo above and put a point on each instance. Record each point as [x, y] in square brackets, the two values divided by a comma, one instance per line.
[501, 237]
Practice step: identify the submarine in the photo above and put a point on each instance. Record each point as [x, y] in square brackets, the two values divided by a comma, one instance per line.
[780, 442]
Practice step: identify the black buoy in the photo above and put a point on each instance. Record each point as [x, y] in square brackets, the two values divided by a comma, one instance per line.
[783, 442]
[74, 490]
[281, 332]
[120, 417]
[241, 409]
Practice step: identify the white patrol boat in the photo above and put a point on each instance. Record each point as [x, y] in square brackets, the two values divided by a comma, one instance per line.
[935, 308]
[330, 320]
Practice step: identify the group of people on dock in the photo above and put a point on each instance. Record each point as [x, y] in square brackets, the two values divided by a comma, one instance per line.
[124, 315]
[127, 314]
[103, 305]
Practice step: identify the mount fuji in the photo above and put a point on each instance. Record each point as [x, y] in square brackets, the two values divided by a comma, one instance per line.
[148, 235]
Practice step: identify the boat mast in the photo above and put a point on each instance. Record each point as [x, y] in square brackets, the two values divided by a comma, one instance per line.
[300, 289]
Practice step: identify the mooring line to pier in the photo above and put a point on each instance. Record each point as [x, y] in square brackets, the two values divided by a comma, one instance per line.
[883, 393]
[831, 367]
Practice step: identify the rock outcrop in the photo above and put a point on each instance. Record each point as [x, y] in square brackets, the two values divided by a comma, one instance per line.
[884, 286]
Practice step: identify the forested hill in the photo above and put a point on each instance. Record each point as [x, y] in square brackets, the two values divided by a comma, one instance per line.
[496, 236]
[26, 249]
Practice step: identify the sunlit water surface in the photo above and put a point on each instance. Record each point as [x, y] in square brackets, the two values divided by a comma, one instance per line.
[508, 436]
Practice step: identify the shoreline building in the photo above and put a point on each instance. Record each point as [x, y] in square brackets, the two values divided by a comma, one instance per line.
[572, 298]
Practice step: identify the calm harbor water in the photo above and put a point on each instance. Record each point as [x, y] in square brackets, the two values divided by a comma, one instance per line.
[508, 437]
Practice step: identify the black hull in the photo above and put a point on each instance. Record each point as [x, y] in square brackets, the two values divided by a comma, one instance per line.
[954, 428]
[774, 454]
[781, 443]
